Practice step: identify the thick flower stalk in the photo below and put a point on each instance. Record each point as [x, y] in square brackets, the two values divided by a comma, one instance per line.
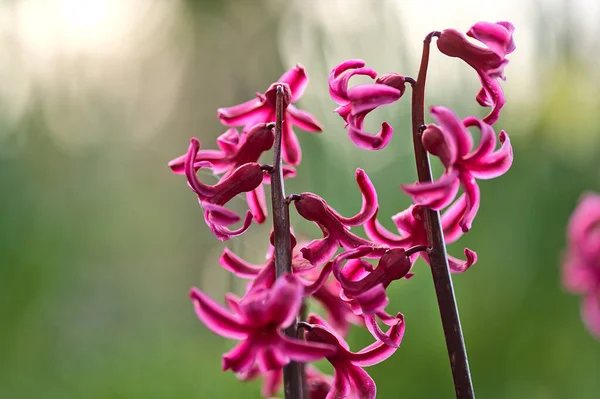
[488, 62]
[451, 141]
[263, 107]
[581, 263]
[356, 102]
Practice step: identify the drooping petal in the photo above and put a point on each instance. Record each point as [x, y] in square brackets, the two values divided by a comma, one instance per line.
[340, 76]
[379, 234]
[270, 359]
[491, 96]
[317, 252]
[257, 204]
[303, 119]
[378, 351]
[497, 36]
[366, 97]
[487, 144]
[297, 80]
[473, 200]
[290, 149]
[361, 383]
[377, 332]
[451, 219]
[368, 141]
[216, 318]
[369, 203]
[220, 215]
[239, 266]
[319, 281]
[229, 141]
[340, 388]
[224, 234]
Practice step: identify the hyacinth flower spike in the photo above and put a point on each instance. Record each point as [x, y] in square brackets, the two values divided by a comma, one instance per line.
[581, 264]
[262, 109]
[356, 102]
[257, 321]
[488, 62]
[452, 143]
[350, 381]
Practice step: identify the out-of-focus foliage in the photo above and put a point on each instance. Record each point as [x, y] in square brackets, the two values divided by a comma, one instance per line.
[99, 243]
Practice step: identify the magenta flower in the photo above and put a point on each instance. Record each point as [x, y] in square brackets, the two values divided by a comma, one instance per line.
[581, 265]
[335, 227]
[411, 225]
[488, 62]
[452, 142]
[212, 198]
[349, 379]
[355, 103]
[257, 321]
[262, 109]
[235, 151]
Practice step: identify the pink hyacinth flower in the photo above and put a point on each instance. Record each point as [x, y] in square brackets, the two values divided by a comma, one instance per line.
[257, 321]
[411, 225]
[350, 381]
[243, 179]
[262, 109]
[335, 227]
[236, 150]
[452, 143]
[581, 264]
[356, 102]
[488, 62]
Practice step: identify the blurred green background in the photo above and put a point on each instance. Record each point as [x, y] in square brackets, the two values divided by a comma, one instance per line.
[100, 243]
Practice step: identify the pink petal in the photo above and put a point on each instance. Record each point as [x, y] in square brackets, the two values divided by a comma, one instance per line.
[441, 144]
[248, 113]
[487, 144]
[341, 388]
[378, 351]
[591, 313]
[494, 94]
[494, 164]
[224, 234]
[257, 204]
[270, 359]
[454, 129]
[441, 190]
[202, 190]
[375, 330]
[497, 36]
[406, 220]
[272, 382]
[217, 214]
[305, 351]
[285, 300]
[379, 234]
[340, 76]
[229, 141]
[216, 318]
[241, 358]
[369, 141]
[372, 300]
[361, 383]
[290, 147]
[303, 119]
[297, 80]
[369, 203]
[460, 266]
[317, 252]
[239, 266]
[318, 283]
[367, 97]
[473, 199]
[451, 220]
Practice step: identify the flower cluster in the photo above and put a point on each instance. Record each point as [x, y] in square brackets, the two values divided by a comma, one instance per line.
[346, 273]
[581, 264]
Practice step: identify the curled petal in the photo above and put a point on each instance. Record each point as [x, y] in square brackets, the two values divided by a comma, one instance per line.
[497, 36]
[375, 330]
[494, 164]
[455, 130]
[271, 359]
[220, 215]
[319, 251]
[440, 144]
[428, 194]
[378, 351]
[491, 95]
[340, 76]
[239, 266]
[460, 266]
[473, 199]
[369, 141]
[229, 141]
[369, 203]
[372, 300]
[451, 219]
[583, 230]
[341, 387]
[379, 234]
[362, 383]
[216, 318]
[297, 80]
[487, 144]
[224, 234]
[290, 149]
[318, 283]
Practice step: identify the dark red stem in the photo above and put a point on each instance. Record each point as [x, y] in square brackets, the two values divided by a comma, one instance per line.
[292, 373]
[437, 248]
